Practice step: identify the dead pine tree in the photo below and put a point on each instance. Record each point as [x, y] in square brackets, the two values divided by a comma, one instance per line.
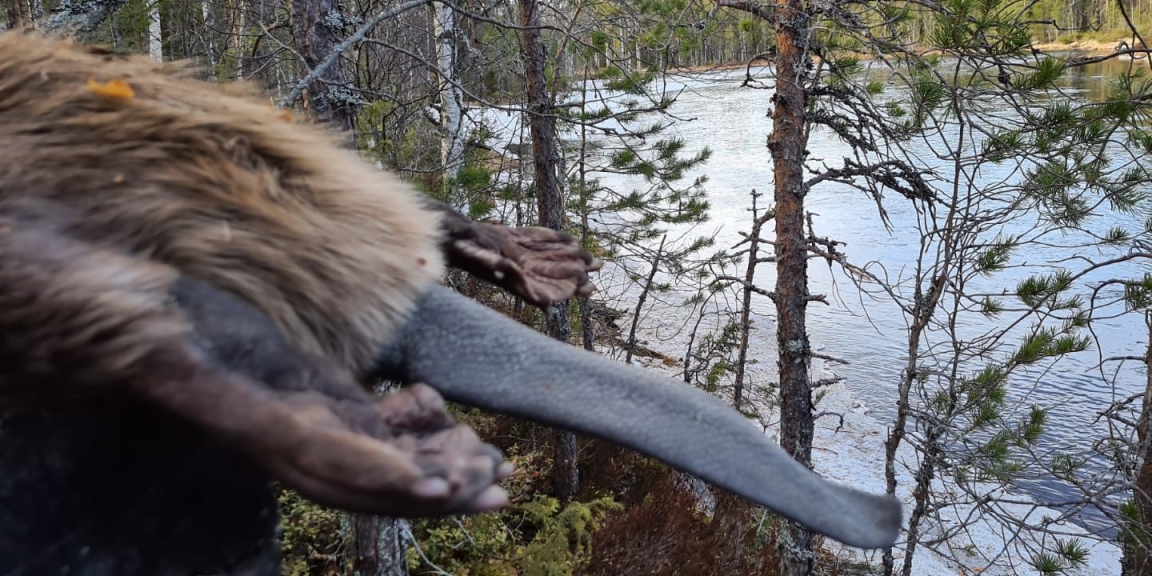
[747, 289]
[643, 297]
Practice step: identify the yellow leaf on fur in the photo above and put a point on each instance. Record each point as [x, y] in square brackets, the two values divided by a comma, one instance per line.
[116, 89]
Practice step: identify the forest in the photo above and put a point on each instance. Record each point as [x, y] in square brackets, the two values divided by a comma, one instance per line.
[910, 240]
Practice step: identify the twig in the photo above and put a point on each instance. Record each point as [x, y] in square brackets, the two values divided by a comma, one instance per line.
[73, 16]
[343, 47]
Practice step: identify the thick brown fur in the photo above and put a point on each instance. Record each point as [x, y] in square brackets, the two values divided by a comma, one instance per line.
[184, 247]
[155, 172]
[186, 257]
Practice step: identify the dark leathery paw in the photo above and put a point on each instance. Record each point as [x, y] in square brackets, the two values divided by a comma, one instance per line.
[461, 470]
[416, 407]
[401, 455]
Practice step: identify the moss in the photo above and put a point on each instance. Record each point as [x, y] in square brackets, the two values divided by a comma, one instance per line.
[539, 537]
[633, 515]
[315, 540]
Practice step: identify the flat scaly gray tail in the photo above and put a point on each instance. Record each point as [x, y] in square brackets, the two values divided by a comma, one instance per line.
[475, 356]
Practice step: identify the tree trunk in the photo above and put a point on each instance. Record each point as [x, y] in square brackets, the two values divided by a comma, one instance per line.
[1079, 12]
[451, 97]
[587, 329]
[81, 17]
[898, 430]
[550, 204]
[640, 301]
[14, 11]
[316, 34]
[380, 548]
[541, 124]
[587, 324]
[1138, 558]
[209, 27]
[758, 222]
[239, 27]
[155, 34]
[787, 145]
[922, 493]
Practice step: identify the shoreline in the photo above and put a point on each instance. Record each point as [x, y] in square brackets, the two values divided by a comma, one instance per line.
[848, 448]
[1084, 47]
[1087, 47]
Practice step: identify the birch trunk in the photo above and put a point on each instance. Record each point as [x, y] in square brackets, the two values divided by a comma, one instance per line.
[451, 97]
[155, 35]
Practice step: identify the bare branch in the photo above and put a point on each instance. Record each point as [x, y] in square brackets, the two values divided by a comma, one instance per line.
[765, 12]
[73, 16]
[344, 46]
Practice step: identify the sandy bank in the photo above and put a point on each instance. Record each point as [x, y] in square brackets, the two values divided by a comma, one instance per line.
[1081, 47]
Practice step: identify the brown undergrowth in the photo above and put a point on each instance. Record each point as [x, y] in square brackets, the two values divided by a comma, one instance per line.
[662, 532]
[657, 528]
[632, 516]
[660, 528]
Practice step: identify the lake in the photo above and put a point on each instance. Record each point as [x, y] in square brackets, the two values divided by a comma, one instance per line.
[869, 333]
